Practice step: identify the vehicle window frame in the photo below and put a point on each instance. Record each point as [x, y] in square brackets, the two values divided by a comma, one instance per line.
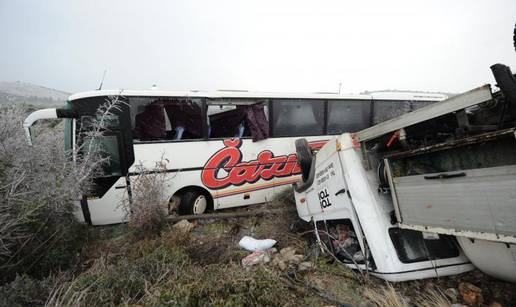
[272, 110]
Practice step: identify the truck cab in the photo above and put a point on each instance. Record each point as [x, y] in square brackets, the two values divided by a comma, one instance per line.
[353, 220]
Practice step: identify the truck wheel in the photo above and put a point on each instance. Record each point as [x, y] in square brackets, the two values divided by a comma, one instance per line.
[193, 202]
[304, 157]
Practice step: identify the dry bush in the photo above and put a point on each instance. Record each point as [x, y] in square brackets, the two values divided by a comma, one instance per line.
[387, 296]
[38, 187]
[146, 213]
[433, 297]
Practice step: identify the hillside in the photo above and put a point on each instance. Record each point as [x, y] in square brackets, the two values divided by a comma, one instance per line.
[22, 92]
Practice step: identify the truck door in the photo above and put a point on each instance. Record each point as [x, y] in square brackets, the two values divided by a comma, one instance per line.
[328, 194]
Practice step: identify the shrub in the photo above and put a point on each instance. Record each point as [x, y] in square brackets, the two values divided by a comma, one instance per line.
[26, 291]
[146, 214]
[38, 186]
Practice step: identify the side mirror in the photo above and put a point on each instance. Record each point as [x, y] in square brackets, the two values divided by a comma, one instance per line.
[43, 114]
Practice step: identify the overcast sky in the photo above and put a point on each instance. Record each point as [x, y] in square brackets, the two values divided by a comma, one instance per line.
[257, 45]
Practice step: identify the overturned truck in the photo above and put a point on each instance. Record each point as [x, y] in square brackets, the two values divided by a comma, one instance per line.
[425, 194]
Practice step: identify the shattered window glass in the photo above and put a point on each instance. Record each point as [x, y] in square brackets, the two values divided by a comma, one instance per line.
[413, 246]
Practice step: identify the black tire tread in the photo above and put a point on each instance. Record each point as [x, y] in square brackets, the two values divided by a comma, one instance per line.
[186, 203]
[304, 157]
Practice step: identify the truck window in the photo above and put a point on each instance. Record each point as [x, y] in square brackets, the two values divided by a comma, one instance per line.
[347, 115]
[412, 246]
[298, 117]
[340, 238]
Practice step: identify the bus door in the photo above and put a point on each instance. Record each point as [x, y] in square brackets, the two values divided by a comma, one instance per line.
[103, 203]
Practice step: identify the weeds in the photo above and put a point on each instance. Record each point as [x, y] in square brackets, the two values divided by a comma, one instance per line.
[387, 296]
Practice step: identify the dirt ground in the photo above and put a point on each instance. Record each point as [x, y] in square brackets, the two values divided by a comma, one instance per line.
[213, 243]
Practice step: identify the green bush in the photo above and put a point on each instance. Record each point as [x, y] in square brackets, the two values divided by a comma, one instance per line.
[26, 291]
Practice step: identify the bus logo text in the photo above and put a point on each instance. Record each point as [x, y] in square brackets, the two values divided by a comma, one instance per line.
[228, 161]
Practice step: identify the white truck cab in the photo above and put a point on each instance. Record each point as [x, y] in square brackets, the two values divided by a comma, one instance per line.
[339, 195]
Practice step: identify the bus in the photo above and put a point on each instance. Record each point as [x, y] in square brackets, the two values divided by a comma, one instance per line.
[221, 149]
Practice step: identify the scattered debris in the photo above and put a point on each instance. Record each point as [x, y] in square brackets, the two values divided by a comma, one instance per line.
[259, 257]
[183, 226]
[252, 244]
[471, 294]
[287, 257]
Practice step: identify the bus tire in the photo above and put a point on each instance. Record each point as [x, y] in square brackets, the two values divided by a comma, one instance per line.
[193, 202]
[304, 157]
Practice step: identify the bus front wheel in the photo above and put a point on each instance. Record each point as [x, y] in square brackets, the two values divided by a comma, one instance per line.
[193, 202]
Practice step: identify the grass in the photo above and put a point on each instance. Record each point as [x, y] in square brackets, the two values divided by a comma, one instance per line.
[203, 268]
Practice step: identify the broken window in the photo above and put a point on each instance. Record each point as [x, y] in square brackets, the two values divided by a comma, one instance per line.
[298, 117]
[237, 118]
[340, 238]
[414, 246]
[164, 118]
[185, 116]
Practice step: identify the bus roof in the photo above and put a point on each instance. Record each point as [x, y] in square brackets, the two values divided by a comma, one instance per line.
[249, 94]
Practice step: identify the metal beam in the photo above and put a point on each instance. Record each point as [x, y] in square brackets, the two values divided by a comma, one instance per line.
[455, 103]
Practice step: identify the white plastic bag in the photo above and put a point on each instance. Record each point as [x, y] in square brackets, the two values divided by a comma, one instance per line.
[252, 244]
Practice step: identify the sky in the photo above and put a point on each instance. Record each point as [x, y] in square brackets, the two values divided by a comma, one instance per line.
[286, 46]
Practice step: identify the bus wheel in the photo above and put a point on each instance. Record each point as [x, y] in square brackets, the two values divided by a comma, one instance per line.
[304, 157]
[193, 202]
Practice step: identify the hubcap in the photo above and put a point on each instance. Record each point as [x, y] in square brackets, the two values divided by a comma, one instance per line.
[199, 205]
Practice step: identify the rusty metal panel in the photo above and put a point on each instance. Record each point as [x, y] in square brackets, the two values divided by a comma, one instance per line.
[480, 200]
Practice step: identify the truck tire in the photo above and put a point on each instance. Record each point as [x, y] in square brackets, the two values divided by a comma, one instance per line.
[304, 157]
[193, 202]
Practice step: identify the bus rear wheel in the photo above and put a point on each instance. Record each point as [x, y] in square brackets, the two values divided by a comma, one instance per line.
[193, 202]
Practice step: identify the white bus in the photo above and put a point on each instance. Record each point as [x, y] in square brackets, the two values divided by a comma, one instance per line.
[222, 149]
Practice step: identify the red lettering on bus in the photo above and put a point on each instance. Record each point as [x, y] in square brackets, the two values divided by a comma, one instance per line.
[226, 167]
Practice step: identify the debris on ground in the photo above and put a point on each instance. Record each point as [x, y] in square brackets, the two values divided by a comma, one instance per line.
[252, 244]
[471, 294]
[259, 257]
[183, 226]
[287, 257]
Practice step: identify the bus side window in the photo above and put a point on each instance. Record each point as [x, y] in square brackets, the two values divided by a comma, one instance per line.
[298, 117]
[184, 117]
[150, 122]
[387, 109]
[225, 121]
[347, 115]
[166, 118]
[238, 119]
